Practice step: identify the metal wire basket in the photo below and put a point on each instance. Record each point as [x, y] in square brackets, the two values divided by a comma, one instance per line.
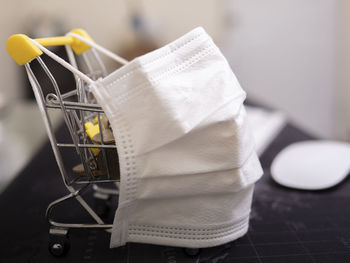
[90, 134]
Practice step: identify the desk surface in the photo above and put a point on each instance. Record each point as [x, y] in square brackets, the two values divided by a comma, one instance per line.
[286, 225]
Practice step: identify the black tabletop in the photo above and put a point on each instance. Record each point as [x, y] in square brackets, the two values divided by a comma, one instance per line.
[286, 225]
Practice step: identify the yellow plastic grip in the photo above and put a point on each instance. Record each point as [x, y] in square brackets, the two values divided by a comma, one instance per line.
[22, 49]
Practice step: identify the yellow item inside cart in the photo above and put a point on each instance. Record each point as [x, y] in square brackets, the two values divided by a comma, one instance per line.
[92, 130]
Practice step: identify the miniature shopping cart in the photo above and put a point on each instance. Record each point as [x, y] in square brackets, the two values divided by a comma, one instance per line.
[91, 136]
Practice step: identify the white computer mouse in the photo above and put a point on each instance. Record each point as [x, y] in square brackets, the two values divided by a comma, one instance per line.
[312, 165]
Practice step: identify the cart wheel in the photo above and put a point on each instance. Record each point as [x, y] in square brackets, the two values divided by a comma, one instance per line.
[59, 243]
[101, 204]
[192, 252]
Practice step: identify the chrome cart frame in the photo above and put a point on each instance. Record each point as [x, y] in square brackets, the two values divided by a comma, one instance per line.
[85, 123]
[77, 106]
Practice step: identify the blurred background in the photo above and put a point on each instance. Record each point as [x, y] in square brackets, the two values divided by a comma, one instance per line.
[289, 55]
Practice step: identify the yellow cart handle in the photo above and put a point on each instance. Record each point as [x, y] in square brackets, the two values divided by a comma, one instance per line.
[22, 49]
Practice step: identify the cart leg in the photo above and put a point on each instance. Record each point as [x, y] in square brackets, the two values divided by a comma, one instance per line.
[101, 204]
[59, 243]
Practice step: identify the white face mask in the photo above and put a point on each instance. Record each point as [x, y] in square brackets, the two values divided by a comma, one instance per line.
[187, 159]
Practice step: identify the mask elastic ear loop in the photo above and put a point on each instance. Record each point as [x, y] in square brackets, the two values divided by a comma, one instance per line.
[100, 48]
[64, 63]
